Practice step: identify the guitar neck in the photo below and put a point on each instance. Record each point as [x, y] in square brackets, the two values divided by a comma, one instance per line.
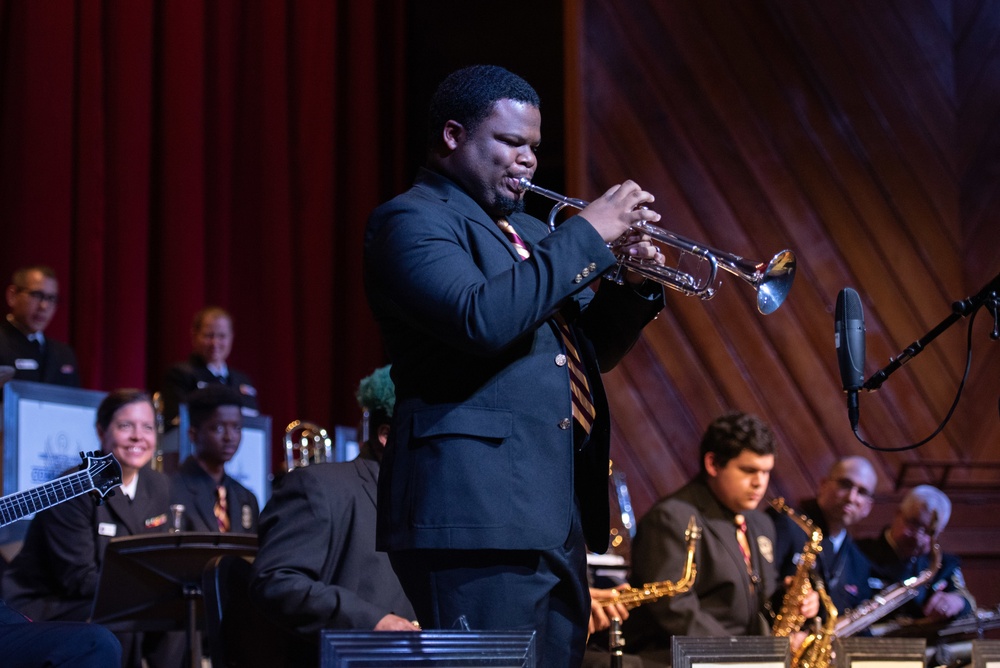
[21, 504]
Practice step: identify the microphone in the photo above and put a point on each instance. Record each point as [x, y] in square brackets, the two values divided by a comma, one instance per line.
[849, 336]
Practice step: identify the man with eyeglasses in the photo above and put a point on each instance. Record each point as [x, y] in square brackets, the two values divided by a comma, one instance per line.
[904, 549]
[213, 500]
[25, 352]
[843, 499]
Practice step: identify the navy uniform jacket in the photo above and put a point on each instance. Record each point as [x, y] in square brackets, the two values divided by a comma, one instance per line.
[185, 377]
[193, 488]
[55, 575]
[888, 569]
[721, 602]
[56, 364]
[316, 566]
[845, 572]
[481, 453]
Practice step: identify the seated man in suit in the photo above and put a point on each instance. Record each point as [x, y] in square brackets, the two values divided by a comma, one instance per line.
[317, 566]
[211, 343]
[844, 499]
[25, 352]
[737, 578]
[904, 550]
[213, 500]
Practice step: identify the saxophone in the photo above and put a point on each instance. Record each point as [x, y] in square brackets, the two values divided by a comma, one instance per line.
[888, 600]
[789, 619]
[816, 650]
[636, 596]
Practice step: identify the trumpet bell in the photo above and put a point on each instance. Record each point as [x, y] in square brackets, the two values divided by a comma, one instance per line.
[775, 282]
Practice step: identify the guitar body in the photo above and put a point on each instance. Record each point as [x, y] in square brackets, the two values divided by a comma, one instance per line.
[101, 474]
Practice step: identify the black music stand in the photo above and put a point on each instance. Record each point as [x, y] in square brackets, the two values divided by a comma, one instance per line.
[153, 582]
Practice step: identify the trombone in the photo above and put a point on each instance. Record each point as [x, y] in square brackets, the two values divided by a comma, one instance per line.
[772, 280]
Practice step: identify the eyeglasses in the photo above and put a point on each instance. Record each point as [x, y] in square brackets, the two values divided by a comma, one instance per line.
[39, 296]
[221, 429]
[846, 485]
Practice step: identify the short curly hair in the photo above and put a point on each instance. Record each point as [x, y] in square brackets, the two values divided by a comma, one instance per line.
[468, 95]
[377, 394]
[732, 433]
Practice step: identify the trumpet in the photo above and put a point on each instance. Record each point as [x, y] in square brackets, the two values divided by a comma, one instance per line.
[772, 280]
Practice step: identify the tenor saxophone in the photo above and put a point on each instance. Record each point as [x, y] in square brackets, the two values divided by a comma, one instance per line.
[789, 619]
[888, 600]
[633, 597]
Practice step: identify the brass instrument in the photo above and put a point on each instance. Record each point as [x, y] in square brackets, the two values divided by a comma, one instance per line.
[647, 593]
[816, 650]
[772, 281]
[888, 600]
[789, 619]
[305, 444]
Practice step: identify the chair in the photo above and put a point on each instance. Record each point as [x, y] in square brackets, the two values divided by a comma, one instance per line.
[238, 635]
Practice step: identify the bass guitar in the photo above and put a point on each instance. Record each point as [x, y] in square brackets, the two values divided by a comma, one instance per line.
[100, 475]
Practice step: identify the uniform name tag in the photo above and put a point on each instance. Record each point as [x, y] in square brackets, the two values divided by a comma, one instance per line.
[26, 364]
[107, 529]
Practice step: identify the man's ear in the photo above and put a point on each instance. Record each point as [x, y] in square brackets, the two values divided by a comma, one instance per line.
[453, 134]
[11, 293]
[383, 434]
[710, 468]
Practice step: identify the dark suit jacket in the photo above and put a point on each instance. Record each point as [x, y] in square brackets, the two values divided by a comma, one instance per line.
[481, 452]
[845, 572]
[889, 569]
[56, 364]
[316, 566]
[185, 377]
[55, 575]
[721, 602]
[193, 488]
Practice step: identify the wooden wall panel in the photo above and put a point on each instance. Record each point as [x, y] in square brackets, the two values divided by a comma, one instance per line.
[862, 135]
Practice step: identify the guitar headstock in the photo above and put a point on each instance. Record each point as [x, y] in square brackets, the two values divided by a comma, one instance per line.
[104, 471]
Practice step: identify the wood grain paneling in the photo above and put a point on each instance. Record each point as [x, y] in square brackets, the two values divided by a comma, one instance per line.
[862, 135]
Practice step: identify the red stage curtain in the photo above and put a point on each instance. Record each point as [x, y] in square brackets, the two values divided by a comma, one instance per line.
[166, 155]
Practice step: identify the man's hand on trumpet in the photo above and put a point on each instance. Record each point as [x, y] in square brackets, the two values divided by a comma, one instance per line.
[641, 247]
[618, 209]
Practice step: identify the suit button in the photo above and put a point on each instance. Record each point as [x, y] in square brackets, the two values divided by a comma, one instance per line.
[578, 278]
[592, 267]
[560, 360]
[585, 273]
[565, 423]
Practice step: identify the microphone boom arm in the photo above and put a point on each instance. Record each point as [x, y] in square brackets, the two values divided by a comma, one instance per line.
[988, 295]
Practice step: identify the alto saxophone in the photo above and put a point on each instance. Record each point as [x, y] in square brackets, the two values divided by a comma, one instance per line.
[888, 600]
[816, 650]
[652, 591]
[789, 619]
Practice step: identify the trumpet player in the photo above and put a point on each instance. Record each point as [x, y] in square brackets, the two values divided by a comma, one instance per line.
[737, 584]
[844, 498]
[494, 479]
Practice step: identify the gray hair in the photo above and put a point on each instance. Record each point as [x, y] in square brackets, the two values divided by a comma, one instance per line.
[931, 498]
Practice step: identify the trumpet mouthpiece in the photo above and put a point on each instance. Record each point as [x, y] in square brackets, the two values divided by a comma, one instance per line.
[524, 183]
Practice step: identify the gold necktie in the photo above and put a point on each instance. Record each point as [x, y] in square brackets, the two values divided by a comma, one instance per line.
[583, 404]
[221, 509]
[741, 538]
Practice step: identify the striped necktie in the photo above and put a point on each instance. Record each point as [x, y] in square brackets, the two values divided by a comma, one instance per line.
[583, 404]
[221, 509]
[741, 538]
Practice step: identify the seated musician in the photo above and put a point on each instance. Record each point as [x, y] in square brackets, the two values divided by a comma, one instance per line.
[904, 550]
[55, 575]
[317, 567]
[213, 500]
[844, 498]
[736, 574]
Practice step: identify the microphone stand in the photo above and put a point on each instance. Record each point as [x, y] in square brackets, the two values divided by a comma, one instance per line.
[988, 297]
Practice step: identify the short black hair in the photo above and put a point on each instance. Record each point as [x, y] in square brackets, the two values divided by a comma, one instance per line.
[202, 402]
[117, 399]
[468, 95]
[732, 433]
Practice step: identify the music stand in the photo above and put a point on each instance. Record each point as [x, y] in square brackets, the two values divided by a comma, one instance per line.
[153, 582]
